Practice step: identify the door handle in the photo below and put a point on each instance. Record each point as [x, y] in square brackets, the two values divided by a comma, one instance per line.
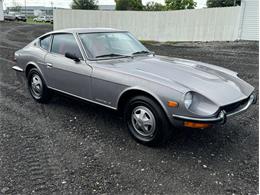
[49, 65]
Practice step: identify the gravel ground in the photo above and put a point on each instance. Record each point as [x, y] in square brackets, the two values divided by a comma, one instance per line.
[71, 147]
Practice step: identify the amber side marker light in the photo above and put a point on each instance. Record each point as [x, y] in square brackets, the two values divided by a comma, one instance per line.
[172, 104]
[196, 125]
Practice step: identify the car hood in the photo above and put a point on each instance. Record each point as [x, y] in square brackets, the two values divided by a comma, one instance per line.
[220, 85]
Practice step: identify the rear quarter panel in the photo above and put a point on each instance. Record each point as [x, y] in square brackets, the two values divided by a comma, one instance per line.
[31, 55]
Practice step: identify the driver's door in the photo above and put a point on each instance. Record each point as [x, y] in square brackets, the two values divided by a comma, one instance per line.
[64, 74]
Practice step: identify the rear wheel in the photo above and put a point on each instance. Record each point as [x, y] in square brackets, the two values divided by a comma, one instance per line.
[37, 86]
[146, 121]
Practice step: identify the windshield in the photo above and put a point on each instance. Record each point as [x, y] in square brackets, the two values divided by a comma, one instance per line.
[111, 44]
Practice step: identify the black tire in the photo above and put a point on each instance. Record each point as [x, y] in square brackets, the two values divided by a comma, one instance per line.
[43, 94]
[161, 132]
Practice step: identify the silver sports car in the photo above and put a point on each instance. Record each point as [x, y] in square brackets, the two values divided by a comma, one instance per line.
[112, 68]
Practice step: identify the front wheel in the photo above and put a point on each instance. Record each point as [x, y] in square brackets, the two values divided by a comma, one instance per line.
[37, 86]
[146, 121]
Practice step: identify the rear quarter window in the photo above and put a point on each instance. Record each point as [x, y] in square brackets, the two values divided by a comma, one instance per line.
[45, 42]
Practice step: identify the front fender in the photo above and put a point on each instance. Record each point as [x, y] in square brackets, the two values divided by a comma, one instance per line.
[127, 90]
[162, 96]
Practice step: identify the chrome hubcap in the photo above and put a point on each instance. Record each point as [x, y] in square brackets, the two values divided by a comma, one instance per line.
[143, 121]
[36, 85]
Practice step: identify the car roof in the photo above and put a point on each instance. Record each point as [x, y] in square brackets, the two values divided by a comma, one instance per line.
[87, 30]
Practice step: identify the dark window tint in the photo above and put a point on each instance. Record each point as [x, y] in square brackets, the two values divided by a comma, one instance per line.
[63, 43]
[45, 42]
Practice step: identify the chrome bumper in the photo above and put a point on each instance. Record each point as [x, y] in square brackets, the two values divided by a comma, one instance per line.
[17, 68]
[222, 116]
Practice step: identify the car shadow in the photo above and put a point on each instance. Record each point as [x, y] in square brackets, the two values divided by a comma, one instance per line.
[110, 123]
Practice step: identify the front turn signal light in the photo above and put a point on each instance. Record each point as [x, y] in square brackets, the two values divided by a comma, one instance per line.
[172, 104]
[196, 125]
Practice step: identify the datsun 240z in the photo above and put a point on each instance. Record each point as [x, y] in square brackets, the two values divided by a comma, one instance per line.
[112, 68]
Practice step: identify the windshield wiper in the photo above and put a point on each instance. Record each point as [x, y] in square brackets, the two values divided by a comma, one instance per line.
[141, 52]
[112, 55]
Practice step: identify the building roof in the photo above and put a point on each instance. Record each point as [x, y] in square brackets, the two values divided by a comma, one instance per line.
[33, 7]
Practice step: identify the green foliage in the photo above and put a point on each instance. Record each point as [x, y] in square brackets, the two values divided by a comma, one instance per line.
[180, 4]
[223, 3]
[154, 6]
[84, 4]
[129, 5]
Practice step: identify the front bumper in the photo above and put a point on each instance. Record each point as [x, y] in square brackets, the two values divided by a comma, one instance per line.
[222, 116]
[17, 68]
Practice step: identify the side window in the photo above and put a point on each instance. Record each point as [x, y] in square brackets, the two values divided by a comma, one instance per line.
[63, 43]
[45, 42]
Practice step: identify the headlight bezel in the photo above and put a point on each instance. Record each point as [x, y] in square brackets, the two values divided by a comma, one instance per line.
[200, 105]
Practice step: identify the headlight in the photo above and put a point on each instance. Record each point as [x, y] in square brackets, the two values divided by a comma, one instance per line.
[188, 100]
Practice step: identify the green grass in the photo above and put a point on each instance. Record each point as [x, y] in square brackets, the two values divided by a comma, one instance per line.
[157, 42]
[148, 41]
[170, 42]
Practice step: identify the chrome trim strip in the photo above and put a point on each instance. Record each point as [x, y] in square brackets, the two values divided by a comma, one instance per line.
[17, 68]
[79, 46]
[88, 100]
[222, 116]
[82, 46]
[250, 101]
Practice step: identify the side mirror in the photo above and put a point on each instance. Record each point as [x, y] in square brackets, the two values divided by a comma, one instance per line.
[72, 56]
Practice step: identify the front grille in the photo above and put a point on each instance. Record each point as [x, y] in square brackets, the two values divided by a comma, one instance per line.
[235, 106]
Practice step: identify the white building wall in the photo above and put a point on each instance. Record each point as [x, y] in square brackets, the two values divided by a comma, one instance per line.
[249, 24]
[214, 24]
[1, 11]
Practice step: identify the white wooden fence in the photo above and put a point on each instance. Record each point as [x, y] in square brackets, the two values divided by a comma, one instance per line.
[214, 24]
[249, 28]
[1, 11]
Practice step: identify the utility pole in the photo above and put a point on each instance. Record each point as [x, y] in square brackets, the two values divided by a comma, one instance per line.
[52, 7]
[25, 8]
[235, 1]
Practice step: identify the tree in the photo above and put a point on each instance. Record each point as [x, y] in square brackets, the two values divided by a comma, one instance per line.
[84, 4]
[223, 3]
[180, 4]
[154, 6]
[129, 5]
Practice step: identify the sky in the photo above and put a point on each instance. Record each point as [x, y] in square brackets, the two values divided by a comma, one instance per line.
[66, 3]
